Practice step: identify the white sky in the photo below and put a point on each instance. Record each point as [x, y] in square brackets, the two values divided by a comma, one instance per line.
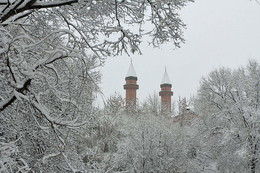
[219, 33]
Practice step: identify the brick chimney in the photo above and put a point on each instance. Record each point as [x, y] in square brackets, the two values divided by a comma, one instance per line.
[131, 87]
[166, 93]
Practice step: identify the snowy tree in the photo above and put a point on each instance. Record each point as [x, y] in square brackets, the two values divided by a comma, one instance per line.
[152, 104]
[150, 143]
[114, 104]
[228, 102]
[99, 142]
[147, 145]
[183, 106]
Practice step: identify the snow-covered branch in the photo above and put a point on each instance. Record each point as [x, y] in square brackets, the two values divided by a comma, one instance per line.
[21, 8]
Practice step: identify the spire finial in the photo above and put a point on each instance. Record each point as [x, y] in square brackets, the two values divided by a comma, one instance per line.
[131, 70]
[165, 79]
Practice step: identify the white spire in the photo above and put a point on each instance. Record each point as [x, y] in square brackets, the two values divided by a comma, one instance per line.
[131, 71]
[165, 79]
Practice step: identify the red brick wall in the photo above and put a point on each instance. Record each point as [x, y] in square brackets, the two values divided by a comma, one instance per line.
[130, 88]
[129, 81]
[166, 98]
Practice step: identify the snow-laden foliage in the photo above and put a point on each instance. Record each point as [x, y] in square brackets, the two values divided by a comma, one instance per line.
[114, 104]
[9, 160]
[106, 27]
[148, 143]
[147, 146]
[46, 94]
[152, 104]
[228, 101]
[140, 142]
[49, 55]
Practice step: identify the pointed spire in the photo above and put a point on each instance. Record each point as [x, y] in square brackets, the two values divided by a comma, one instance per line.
[131, 71]
[165, 79]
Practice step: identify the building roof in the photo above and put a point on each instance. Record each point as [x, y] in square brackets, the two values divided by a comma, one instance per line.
[165, 79]
[131, 71]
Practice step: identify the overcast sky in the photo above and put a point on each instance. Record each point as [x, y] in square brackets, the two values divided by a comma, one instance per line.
[219, 33]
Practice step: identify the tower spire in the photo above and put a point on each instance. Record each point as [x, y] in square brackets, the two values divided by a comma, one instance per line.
[165, 79]
[131, 87]
[131, 71]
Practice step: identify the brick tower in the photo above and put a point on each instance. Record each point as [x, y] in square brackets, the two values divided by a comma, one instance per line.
[131, 88]
[166, 93]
